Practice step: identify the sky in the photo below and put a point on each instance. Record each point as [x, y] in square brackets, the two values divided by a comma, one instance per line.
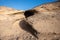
[23, 4]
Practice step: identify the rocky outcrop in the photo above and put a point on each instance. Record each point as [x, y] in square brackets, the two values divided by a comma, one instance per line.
[9, 23]
[39, 23]
[46, 21]
[10, 28]
[47, 16]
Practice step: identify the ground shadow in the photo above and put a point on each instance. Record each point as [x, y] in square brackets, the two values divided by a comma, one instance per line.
[27, 27]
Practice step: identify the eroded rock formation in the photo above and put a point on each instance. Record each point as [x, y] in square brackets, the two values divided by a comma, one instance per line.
[9, 23]
[46, 21]
[39, 23]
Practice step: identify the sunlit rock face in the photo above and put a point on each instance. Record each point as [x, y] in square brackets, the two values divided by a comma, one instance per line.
[7, 10]
[9, 23]
[46, 20]
[10, 28]
[39, 23]
[48, 7]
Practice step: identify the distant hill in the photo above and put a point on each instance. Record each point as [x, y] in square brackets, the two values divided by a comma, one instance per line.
[7, 10]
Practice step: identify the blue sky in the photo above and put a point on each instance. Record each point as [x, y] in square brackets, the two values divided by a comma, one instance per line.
[23, 4]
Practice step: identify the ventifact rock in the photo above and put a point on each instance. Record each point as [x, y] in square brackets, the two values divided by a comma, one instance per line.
[39, 23]
[45, 19]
